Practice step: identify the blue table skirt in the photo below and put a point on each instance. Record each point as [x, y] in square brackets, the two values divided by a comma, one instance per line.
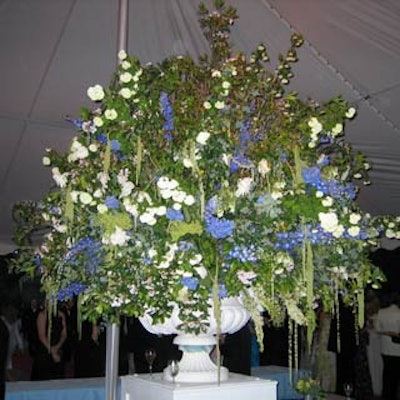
[282, 376]
[63, 389]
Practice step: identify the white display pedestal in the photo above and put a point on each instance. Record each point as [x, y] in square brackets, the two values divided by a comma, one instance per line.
[237, 387]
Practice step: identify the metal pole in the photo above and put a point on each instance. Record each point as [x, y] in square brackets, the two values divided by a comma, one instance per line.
[112, 361]
[122, 43]
[113, 330]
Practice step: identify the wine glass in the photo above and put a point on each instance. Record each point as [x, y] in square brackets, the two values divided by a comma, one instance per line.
[174, 369]
[348, 389]
[150, 355]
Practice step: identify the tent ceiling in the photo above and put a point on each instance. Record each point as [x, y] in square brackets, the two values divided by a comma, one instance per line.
[52, 51]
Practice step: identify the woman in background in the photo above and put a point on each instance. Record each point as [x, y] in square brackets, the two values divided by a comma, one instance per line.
[48, 362]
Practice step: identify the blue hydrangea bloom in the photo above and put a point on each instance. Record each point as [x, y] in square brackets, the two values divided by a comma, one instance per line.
[175, 215]
[111, 202]
[190, 282]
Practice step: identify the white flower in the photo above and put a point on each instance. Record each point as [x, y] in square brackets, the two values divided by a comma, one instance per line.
[46, 160]
[202, 138]
[122, 55]
[337, 129]
[327, 202]
[92, 147]
[85, 198]
[74, 196]
[216, 74]
[103, 178]
[130, 208]
[125, 77]
[187, 163]
[202, 271]
[207, 105]
[126, 93]
[102, 208]
[110, 114]
[354, 218]
[59, 179]
[243, 186]
[195, 259]
[127, 188]
[226, 84]
[166, 194]
[246, 276]
[353, 231]
[161, 210]
[315, 125]
[98, 121]
[119, 237]
[96, 93]
[126, 64]
[189, 200]
[147, 218]
[338, 232]
[163, 182]
[263, 167]
[81, 153]
[329, 221]
[178, 196]
[350, 113]
[177, 206]
[219, 105]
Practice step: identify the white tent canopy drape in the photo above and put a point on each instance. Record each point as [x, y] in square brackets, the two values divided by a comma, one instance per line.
[52, 51]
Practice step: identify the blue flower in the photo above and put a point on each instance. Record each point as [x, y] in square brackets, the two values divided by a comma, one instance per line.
[73, 289]
[175, 215]
[311, 175]
[222, 292]
[111, 202]
[190, 282]
[168, 113]
[219, 228]
[115, 145]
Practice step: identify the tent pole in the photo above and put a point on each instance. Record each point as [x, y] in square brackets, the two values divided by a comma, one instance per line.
[122, 26]
[113, 329]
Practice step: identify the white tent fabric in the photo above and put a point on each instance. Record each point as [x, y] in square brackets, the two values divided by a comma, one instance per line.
[52, 51]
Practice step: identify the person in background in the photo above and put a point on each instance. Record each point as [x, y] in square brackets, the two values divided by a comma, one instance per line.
[388, 326]
[15, 343]
[48, 362]
[4, 340]
[29, 329]
[90, 352]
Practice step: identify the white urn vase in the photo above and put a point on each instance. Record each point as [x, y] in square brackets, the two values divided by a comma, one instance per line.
[196, 364]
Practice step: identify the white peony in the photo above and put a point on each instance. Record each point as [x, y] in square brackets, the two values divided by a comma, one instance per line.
[110, 114]
[354, 218]
[329, 221]
[85, 198]
[96, 93]
[46, 160]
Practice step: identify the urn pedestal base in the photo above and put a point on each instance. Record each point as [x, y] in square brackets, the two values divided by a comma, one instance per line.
[236, 387]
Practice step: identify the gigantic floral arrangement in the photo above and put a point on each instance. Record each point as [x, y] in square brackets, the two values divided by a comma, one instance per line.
[192, 180]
